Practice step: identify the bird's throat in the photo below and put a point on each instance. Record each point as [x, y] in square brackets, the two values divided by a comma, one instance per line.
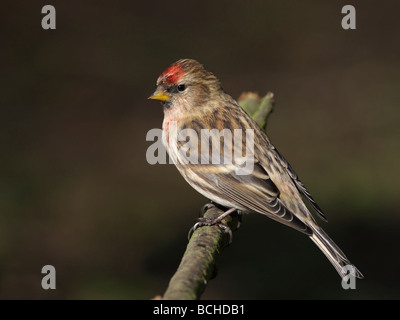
[166, 105]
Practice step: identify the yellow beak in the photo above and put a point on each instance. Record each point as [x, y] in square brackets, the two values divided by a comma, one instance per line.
[159, 95]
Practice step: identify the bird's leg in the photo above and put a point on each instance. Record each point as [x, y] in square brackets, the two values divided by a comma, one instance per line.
[210, 222]
[221, 217]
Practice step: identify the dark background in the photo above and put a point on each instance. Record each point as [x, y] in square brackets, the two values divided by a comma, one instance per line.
[76, 191]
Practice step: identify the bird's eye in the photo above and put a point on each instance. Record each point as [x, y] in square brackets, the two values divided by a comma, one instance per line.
[181, 87]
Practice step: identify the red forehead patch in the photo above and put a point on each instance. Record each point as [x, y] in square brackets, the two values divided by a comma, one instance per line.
[172, 74]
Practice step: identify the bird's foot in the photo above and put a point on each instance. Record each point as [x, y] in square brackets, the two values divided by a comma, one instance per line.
[202, 222]
[204, 208]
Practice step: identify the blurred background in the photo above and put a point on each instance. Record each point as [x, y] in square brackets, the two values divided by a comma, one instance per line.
[76, 191]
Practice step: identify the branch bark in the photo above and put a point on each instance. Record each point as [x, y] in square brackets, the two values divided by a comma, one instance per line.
[198, 264]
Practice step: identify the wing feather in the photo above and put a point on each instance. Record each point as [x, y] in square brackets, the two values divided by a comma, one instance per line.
[256, 192]
[300, 186]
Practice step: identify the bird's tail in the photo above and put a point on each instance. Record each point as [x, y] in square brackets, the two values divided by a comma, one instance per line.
[336, 256]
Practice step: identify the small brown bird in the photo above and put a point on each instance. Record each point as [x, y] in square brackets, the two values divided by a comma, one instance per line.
[195, 103]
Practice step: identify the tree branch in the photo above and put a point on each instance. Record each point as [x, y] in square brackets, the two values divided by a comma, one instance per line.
[198, 264]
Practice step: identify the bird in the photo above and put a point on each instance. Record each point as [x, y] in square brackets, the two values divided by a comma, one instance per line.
[194, 102]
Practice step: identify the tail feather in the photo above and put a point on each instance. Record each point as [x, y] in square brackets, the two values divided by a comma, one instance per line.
[336, 256]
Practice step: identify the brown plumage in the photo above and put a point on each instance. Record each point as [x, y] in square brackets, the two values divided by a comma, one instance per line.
[194, 100]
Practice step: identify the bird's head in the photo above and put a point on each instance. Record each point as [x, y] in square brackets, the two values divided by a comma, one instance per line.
[185, 83]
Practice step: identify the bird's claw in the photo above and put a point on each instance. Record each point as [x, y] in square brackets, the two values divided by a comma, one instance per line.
[239, 216]
[204, 208]
[227, 230]
[202, 222]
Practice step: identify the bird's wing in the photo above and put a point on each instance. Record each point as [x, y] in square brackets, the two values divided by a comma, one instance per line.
[300, 186]
[255, 192]
[209, 173]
